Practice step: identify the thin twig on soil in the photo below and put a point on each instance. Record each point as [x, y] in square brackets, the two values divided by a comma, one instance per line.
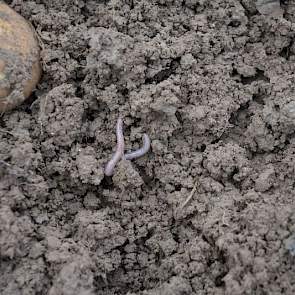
[5, 163]
[21, 171]
[10, 133]
[188, 199]
[7, 132]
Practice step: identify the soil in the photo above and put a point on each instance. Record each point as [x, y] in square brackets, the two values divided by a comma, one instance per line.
[210, 209]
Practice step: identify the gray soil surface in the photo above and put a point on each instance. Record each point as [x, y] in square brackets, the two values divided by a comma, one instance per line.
[213, 84]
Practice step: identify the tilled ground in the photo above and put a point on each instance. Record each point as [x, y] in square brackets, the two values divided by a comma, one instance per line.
[212, 83]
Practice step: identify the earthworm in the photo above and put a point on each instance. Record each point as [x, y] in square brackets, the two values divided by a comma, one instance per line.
[140, 152]
[119, 154]
[109, 170]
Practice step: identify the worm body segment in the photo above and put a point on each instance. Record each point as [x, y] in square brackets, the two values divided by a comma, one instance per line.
[109, 170]
[140, 152]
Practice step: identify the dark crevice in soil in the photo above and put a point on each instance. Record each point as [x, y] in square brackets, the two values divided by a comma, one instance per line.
[259, 98]
[164, 74]
[286, 51]
[259, 76]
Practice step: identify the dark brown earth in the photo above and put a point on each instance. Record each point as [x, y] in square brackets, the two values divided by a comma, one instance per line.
[213, 84]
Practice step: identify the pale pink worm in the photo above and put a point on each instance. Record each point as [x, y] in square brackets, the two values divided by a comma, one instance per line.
[118, 155]
[140, 152]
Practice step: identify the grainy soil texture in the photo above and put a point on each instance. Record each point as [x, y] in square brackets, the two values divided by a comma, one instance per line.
[210, 208]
